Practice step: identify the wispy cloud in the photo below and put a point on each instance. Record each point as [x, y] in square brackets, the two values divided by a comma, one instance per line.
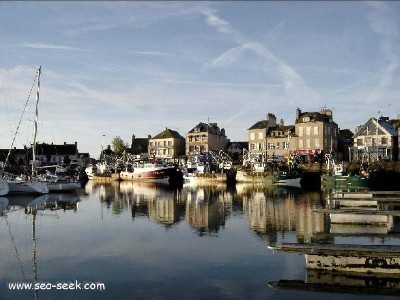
[383, 21]
[213, 20]
[48, 46]
[150, 53]
[292, 81]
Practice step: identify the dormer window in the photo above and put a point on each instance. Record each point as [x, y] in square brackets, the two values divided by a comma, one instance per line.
[306, 119]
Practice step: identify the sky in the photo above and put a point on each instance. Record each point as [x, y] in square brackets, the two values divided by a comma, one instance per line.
[118, 68]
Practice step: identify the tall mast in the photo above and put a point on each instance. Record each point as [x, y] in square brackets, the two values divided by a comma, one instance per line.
[36, 125]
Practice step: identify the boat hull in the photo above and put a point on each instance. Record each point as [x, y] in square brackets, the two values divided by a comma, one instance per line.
[4, 188]
[156, 174]
[62, 186]
[27, 187]
[292, 182]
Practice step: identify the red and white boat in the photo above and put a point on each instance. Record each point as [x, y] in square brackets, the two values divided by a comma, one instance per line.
[151, 172]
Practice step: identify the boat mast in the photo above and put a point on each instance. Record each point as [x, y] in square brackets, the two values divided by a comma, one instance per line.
[36, 125]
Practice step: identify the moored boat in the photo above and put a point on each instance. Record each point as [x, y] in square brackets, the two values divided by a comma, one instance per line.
[151, 172]
[21, 185]
[4, 188]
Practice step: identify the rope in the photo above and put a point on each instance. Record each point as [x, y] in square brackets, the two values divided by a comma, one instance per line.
[20, 120]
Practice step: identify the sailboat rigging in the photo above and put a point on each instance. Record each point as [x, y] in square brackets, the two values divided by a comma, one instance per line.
[31, 185]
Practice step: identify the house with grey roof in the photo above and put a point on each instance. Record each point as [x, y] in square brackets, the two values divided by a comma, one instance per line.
[168, 144]
[316, 132]
[377, 139]
[204, 137]
[257, 134]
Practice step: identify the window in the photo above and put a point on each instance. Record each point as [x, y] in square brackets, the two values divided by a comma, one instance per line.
[300, 144]
[316, 131]
[306, 119]
[360, 142]
[308, 143]
[270, 146]
[300, 131]
[308, 130]
[169, 143]
[252, 135]
[253, 146]
[384, 141]
[285, 145]
[316, 143]
[260, 135]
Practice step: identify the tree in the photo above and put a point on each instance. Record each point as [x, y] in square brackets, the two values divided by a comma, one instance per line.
[119, 146]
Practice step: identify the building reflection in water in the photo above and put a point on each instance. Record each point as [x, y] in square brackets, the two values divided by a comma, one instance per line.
[272, 211]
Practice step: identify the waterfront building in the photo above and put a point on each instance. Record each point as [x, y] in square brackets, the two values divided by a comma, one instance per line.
[257, 134]
[140, 146]
[235, 150]
[204, 137]
[316, 133]
[47, 154]
[17, 156]
[377, 139]
[279, 140]
[168, 144]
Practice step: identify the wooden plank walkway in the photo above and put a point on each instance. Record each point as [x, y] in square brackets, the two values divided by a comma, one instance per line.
[339, 249]
[357, 211]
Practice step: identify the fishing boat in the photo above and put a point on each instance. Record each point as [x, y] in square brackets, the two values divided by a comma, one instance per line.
[23, 184]
[288, 177]
[364, 177]
[151, 172]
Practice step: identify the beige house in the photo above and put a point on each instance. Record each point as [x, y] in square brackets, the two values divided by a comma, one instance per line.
[204, 137]
[168, 144]
[258, 137]
[376, 139]
[279, 140]
[315, 132]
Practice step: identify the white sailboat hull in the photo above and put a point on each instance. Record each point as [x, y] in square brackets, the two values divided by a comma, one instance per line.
[4, 188]
[292, 182]
[62, 186]
[27, 187]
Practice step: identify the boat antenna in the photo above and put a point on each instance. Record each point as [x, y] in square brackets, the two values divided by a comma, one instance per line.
[36, 123]
[19, 123]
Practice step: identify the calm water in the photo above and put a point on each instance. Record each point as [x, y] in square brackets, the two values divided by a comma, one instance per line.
[146, 241]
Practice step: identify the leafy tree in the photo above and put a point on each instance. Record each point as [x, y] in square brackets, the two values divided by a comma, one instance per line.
[119, 146]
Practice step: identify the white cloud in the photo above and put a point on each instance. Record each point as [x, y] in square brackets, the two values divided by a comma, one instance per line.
[48, 46]
[213, 20]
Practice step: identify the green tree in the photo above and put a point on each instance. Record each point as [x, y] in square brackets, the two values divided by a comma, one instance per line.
[119, 146]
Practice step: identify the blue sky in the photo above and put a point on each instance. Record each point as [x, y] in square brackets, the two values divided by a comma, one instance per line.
[113, 68]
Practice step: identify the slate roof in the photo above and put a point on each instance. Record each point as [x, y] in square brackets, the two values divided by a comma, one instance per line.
[314, 117]
[260, 125]
[390, 126]
[167, 134]
[202, 127]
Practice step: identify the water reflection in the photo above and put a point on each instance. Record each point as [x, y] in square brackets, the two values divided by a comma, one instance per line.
[149, 241]
[272, 211]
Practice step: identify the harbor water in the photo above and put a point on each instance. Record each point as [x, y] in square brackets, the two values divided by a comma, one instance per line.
[146, 241]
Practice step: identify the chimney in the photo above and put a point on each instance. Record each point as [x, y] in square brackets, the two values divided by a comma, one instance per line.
[282, 123]
[298, 112]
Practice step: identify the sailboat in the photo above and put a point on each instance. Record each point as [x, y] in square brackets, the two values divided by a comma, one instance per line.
[4, 188]
[21, 185]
